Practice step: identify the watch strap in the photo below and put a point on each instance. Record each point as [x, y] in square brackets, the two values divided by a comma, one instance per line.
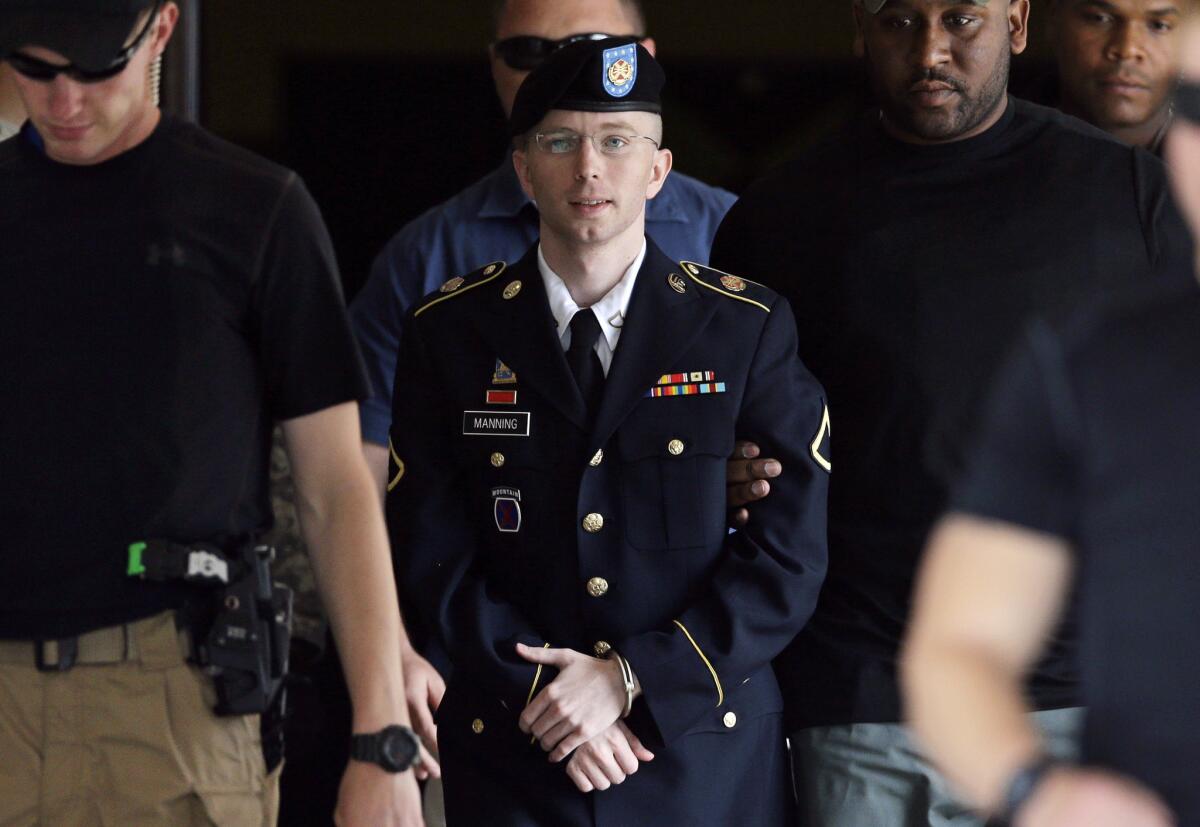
[365, 747]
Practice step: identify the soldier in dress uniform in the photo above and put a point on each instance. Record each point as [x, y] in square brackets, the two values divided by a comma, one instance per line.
[557, 492]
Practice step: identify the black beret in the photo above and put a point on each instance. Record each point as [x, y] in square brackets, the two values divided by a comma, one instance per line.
[88, 33]
[611, 75]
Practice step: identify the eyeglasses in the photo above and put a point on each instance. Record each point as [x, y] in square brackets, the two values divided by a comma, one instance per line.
[44, 72]
[564, 142]
[527, 52]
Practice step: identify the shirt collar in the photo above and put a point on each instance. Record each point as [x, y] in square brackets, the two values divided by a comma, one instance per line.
[504, 198]
[610, 310]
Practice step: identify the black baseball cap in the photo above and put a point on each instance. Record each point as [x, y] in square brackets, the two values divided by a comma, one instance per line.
[611, 75]
[88, 33]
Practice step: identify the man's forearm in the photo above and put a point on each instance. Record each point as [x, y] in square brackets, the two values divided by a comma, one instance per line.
[969, 713]
[987, 597]
[350, 556]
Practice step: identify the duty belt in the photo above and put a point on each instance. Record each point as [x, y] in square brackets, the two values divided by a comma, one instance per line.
[111, 644]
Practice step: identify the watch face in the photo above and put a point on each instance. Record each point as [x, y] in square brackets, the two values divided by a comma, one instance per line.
[397, 748]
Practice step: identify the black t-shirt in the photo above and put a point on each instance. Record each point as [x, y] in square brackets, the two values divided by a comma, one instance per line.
[910, 269]
[160, 311]
[1092, 434]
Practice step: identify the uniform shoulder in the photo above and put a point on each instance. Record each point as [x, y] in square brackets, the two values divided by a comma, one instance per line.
[730, 286]
[460, 286]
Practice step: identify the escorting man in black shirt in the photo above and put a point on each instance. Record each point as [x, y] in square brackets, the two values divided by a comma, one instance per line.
[168, 296]
[559, 519]
[1118, 61]
[1084, 478]
[912, 247]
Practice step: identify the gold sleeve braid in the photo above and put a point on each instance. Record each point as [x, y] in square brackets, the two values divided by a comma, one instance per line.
[711, 671]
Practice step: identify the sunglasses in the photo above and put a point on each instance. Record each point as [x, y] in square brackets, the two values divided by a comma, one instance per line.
[526, 52]
[44, 72]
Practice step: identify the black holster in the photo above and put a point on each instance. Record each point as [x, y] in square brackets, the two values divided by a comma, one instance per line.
[240, 622]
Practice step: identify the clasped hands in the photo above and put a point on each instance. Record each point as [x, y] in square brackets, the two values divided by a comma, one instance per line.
[578, 714]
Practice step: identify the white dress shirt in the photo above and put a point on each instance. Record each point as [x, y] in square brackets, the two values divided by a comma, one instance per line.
[610, 310]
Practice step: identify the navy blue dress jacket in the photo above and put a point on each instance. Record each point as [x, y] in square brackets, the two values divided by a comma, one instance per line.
[513, 520]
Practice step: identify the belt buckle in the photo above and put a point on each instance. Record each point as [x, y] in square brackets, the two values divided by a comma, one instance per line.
[68, 651]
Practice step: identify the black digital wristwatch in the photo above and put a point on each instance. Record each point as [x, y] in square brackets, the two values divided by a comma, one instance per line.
[395, 748]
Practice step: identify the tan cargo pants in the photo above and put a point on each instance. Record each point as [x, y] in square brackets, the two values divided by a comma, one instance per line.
[125, 737]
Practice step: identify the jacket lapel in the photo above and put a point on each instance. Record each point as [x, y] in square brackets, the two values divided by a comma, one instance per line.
[660, 326]
[524, 336]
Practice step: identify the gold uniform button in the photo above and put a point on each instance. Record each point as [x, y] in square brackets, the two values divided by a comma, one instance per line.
[593, 522]
[675, 446]
[477, 726]
[602, 648]
[497, 459]
[511, 291]
[597, 458]
[597, 587]
[730, 720]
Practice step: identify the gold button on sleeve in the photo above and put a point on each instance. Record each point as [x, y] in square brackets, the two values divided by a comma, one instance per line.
[675, 446]
[477, 726]
[497, 459]
[730, 720]
[602, 648]
[593, 522]
[597, 587]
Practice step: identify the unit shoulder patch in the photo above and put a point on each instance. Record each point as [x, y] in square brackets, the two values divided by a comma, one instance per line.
[729, 285]
[459, 285]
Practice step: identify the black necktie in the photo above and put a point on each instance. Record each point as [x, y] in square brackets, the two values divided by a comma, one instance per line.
[583, 359]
